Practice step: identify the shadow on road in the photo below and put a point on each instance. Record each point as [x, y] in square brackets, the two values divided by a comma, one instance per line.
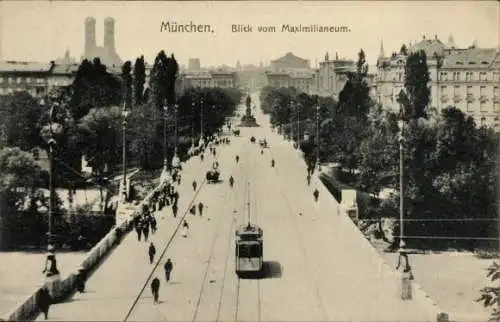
[271, 269]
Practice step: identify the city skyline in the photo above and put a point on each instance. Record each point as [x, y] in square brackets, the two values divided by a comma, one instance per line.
[138, 27]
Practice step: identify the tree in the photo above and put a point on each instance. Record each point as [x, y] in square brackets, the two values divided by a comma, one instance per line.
[19, 176]
[139, 80]
[416, 84]
[490, 295]
[20, 117]
[126, 79]
[162, 80]
[94, 87]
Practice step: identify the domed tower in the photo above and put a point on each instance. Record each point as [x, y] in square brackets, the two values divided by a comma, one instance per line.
[89, 36]
[109, 34]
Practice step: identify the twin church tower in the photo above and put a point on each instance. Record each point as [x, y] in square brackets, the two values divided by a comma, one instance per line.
[106, 53]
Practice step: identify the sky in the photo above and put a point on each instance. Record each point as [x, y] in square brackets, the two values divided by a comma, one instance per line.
[43, 30]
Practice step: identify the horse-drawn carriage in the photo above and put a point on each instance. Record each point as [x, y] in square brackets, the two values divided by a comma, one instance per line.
[213, 174]
[236, 132]
[263, 143]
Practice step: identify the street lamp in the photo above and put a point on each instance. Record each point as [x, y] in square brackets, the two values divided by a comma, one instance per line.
[317, 138]
[202, 134]
[192, 125]
[175, 160]
[298, 125]
[125, 114]
[51, 271]
[291, 120]
[401, 209]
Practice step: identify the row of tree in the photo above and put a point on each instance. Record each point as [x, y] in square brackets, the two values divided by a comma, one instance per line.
[91, 122]
[449, 164]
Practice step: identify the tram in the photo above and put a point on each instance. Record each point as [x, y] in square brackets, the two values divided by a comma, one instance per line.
[249, 250]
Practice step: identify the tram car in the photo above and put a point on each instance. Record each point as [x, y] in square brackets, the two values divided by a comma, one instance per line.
[213, 174]
[249, 251]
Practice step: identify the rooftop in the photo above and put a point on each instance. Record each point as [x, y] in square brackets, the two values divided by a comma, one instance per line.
[23, 66]
[473, 58]
[65, 69]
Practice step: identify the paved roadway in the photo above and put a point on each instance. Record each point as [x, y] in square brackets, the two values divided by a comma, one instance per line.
[317, 267]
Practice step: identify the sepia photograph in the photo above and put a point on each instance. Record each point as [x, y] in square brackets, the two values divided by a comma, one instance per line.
[249, 161]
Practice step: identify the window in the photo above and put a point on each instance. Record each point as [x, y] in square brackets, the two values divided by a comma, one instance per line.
[444, 76]
[469, 107]
[456, 76]
[9, 80]
[28, 79]
[443, 90]
[18, 80]
[483, 76]
[456, 90]
[1, 79]
[496, 91]
[496, 76]
[482, 106]
[496, 106]
[249, 250]
[468, 76]
[469, 90]
[482, 90]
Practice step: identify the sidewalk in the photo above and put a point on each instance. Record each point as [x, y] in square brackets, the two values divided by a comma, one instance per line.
[115, 285]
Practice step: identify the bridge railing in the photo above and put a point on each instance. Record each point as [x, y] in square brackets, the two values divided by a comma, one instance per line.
[28, 308]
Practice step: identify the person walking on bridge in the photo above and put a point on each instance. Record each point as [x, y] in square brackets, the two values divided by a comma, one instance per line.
[44, 301]
[194, 185]
[316, 195]
[138, 228]
[174, 209]
[168, 269]
[151, 252]
[155, 289]
[145, 229]
[231, 181]
[200, 208]
[308, 179]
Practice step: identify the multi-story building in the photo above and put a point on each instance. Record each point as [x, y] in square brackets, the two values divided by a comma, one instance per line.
[333, 75]
[467, 78]
[25, 76]
[302, 79]
[208, 79]
[62, 75]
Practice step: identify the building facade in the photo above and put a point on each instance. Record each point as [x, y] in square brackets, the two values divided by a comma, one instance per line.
[302, 79]
[333, 75]
[208, 79]
[467, 78]
[32, 77]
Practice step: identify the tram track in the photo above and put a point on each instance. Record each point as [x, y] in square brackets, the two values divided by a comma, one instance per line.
[207, 267]
[167, 246]
[293, 218]
[249, 286]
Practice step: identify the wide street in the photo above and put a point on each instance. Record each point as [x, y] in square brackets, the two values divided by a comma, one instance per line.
[318, 267]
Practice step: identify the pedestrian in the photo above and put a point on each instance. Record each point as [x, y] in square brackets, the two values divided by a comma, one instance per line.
[185, 229]
[316, 194]
[192, 210]
[138, 229]
[308, 179]
[179, 179]
[168, 269]
[231, 181]
[80, 279]
[155, 289]
[151, 252]
[153, 224]
[200, 208]
[174, 209]
[194, 185]
[145, 230]
[44, 300]
[272, 163]
[201, 157]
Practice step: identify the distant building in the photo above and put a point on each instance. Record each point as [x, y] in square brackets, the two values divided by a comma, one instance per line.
[107, 53]
[62, 75]
[468, 78]
[288, 61]
[332, 75]
[25, 76]
[302, 79]
[208, 79]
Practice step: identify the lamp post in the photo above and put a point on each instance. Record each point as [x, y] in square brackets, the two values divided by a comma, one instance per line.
[51, 272]
[317, 138]
[175, 160]
[401, 191]
[202, 128]
[298, 125]
[165, 160]
[125, 114]
[192, 125]
[291, 120]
